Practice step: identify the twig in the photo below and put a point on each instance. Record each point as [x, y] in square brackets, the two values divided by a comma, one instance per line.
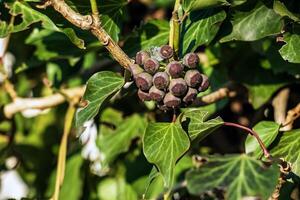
[175, 29]
[21, 104]
[279, 104]
[253, 133]
[87, 22]
[292, 115]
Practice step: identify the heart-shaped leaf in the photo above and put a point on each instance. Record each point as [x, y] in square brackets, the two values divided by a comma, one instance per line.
[290, 51]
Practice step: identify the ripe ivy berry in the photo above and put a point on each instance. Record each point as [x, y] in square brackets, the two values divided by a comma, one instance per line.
[175, 69]
[143, 96]
[166, 51]
[178, 87]
[151, 65]
[156, 94]
[143, 81]
[190, 96]
[141, 57]
[191, 60]
[171, 101]
[161, 80]
[205, 83]
[193, 78]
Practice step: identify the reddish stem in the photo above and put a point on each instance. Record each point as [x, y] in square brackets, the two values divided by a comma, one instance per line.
[253, 133]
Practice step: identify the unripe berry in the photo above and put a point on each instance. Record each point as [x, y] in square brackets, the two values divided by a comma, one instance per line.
[193, 78]
[156, 94]
[190, 95]
[166, 51]
[171, 101]
[143, 81]
[161, 80]
[191, 60]
[141, 57]
[135, 69]
[175, 69]
[151, 65]
[205, 83]
[143, 96]
[178, 87]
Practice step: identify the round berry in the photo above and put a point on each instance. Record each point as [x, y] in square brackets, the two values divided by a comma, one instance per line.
[193, 78]
[205, 83]
[175, 69]
[156, 94]
[141, 57]
[190, 95]
[191, 60]
[135, 69]
[161, 80]
[151, 65]
[178, 87]
[166, 51]
[143, 81]
[171, 101]
[143, 96]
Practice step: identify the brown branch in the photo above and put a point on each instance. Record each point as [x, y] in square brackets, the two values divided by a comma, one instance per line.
[279, 104]
[88, 22]
[21, 104]
[292, 115]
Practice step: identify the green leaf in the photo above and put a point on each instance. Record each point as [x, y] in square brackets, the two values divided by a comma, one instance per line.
[281, 10]
[189, 5]
[290, 51]
[119, 141]
[267, 132]
[99, 87]
[254, 24]
[31, 16]
[201, 28]
[153, 33]
[163, 145]
[288, 148]
[241, 176]
[198, 126]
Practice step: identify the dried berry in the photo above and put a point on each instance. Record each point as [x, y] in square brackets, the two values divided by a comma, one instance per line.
[178, 87]
[171, 101]
[141, 57]
[156, 94]
[143, 81]
[143, 96]
[193, 78]
[151, 65]
[166, 51]
[135, 69]
[191, 60]
[175, 69]
[205, 83]
[161, 80]
[190, 95]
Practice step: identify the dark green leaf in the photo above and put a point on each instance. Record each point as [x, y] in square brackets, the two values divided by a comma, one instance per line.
[267, 132]
[281, 10]
[189, 5]
[241, 176]
[164, 144]
[100, 86]
[288, 148]
[291, 51]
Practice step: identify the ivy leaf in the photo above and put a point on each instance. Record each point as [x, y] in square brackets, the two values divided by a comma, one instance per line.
[189, 5]
[31, 16]
[99, 87]
[112, 14]
[118, 141]
[153, 33]
[241, 175]
[267, 132]
[290, 51]
[198, 126]
[201, 28]
[254, 24]
[281, 10]
[163, 145]
[288, 148]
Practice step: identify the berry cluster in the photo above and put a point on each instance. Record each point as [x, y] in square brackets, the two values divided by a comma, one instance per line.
[169, 82]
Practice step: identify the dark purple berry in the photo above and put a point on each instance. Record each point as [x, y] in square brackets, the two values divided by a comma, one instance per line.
[190, 95]
[193, 78]
[156, 94]
[135, 69]
[143, 96]
[141, 57]
[178, 87]
[175, 69]
[161, 80]
[166, 51]
[205, 83]
[171, 101]
[191, 60]
[151, 65]
[143, 81]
